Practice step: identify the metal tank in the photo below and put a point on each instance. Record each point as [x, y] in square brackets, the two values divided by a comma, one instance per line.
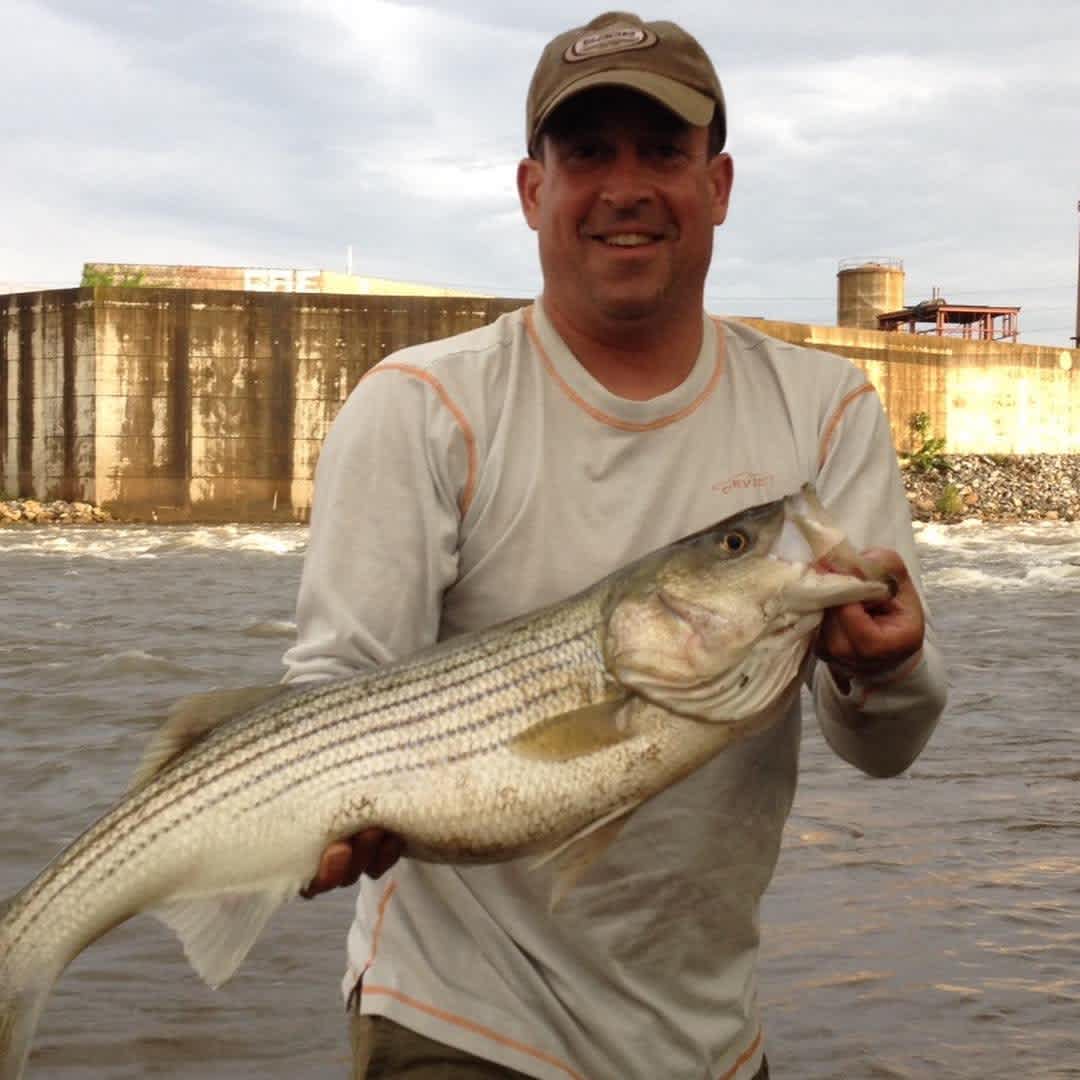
[867, 288]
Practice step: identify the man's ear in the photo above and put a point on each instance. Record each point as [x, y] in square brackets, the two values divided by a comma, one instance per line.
[530, 179]
[722, 177]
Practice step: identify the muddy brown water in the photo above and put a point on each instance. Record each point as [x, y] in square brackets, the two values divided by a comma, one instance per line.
[921, 927]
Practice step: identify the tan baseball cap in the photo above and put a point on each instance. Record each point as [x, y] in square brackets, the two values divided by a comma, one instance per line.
[619, 49]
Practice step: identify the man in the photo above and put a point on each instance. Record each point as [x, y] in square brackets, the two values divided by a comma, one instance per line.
[469, 480]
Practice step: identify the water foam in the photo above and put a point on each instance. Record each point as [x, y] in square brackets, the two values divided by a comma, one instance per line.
[271, 628]
[123, 542]
[964, 577]
[138, 662]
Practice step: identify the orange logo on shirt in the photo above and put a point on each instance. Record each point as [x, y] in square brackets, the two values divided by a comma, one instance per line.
[743, 481]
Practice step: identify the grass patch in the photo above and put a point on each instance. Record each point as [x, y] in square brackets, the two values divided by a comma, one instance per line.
[950, 502]
[929, 455]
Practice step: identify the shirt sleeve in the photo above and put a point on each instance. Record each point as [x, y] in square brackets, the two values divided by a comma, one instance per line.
[383, 541]
[882, 724]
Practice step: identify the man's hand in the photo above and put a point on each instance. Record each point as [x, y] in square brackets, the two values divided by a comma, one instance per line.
[860, 640]
[371, 852]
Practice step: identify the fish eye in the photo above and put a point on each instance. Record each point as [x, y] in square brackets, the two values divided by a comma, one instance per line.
[734, 542]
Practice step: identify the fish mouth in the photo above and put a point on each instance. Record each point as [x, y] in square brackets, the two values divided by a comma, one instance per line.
[733, 642]
[810, 538]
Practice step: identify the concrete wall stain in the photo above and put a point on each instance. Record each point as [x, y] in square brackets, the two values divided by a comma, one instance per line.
[28, 323]
[178, 414]
[69, 482]
[283, 370]
[5, 329]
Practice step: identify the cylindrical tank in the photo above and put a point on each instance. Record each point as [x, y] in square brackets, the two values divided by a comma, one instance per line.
[867, 288]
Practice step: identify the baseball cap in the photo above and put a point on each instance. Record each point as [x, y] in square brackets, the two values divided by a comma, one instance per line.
[619, 49]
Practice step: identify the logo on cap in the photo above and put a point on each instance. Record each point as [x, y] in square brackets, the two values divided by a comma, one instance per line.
[620, 37]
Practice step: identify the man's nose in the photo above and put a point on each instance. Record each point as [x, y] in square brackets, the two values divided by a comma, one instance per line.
[626, 182]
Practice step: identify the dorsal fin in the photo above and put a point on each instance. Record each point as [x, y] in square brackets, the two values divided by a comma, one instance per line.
[192, 719]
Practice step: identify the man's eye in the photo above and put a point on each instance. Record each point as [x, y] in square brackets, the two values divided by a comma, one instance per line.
[584, 151]
[667, 151]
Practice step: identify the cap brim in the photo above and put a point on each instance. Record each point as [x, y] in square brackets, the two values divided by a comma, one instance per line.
[694, 107]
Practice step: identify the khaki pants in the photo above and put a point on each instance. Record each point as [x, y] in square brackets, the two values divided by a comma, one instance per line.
[384, 1050]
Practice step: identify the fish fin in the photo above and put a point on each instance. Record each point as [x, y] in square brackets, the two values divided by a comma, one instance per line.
[20, 1010]
[218, 931]
[192, 720]
[573, 734]
[574, 856]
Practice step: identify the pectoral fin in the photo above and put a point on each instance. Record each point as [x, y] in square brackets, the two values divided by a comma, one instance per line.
[573, 734]
[574, 856]
[218, 931]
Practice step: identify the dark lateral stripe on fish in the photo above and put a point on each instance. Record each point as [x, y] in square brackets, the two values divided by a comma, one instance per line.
[335, 696]
[447, 736]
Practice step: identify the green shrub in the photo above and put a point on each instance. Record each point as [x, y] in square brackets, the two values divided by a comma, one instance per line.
[929, 454]
[92, 278]
[950, 502]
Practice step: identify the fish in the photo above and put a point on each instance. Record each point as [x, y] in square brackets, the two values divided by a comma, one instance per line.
[537, 737]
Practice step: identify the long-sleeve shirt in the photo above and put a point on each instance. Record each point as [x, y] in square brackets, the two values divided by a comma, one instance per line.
[470, 480]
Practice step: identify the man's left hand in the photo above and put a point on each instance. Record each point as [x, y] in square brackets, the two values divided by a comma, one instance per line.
[864, 640]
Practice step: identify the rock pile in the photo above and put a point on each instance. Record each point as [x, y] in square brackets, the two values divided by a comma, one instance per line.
[56, 512]
[1013, 487]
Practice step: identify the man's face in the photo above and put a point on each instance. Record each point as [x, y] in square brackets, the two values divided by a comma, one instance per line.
[624, 198]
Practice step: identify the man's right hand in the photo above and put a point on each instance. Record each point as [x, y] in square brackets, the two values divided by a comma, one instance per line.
[370, 852]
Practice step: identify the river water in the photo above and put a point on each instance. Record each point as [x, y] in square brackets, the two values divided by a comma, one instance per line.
[921, 927]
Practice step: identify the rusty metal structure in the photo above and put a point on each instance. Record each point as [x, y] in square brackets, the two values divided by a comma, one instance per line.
[972, 322]
[867, 287]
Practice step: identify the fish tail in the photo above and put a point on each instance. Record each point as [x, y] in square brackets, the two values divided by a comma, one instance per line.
[21, 1004]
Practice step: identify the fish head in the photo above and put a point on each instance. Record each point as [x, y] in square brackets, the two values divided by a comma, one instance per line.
[717, 625]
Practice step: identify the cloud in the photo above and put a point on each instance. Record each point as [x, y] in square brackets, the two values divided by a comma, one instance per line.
[277, 132]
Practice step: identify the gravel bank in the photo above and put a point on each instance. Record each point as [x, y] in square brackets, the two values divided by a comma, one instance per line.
[1033, 487]
[55, 512]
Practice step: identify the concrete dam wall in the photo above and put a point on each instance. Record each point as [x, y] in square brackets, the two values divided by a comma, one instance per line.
[208, 405]
[178, 404]
[982, 397]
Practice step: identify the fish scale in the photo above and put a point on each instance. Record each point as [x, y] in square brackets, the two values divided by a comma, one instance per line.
[541, 735]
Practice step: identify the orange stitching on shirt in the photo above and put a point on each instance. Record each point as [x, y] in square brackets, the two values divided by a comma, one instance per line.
[614, 421]
[479, 1029]
[834, 422]
[377, 932]
[475, 1028]
[463, 423]
[743, 1058]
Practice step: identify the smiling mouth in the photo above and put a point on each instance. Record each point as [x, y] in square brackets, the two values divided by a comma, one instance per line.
[627, 239]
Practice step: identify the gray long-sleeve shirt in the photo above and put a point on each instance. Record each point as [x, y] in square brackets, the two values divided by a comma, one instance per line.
[470, 480]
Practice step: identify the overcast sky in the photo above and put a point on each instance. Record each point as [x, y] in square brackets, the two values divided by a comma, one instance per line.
[267, 133]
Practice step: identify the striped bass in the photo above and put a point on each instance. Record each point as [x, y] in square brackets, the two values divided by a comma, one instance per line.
[539, 736]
